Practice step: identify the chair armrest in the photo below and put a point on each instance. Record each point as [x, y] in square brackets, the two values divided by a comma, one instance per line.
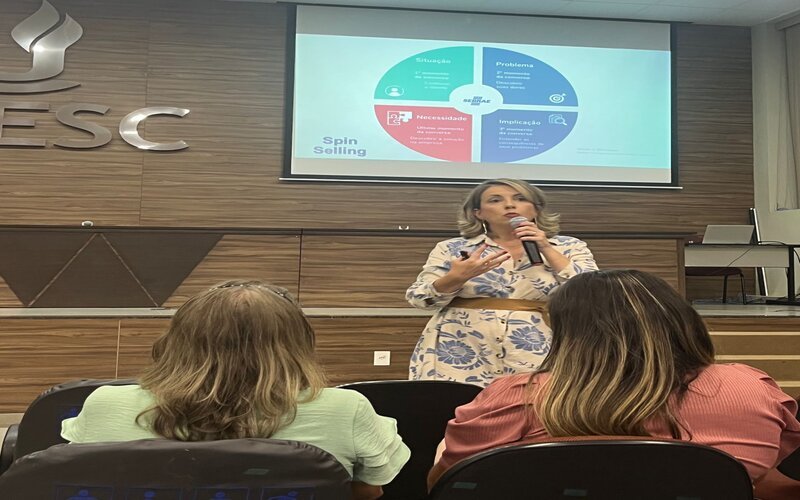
[7, 451]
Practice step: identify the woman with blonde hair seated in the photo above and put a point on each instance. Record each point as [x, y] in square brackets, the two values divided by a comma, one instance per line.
[630, 357]
[238, 362]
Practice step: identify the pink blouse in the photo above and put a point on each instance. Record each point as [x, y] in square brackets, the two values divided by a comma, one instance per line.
[732, 407]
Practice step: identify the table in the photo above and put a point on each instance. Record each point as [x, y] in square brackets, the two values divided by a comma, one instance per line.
[763, 255]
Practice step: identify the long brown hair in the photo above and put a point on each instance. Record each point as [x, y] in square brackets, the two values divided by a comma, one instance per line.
[625, 346]
[234, 363]
[470, 226]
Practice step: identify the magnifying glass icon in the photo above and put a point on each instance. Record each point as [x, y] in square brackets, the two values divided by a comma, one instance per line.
[559, 120]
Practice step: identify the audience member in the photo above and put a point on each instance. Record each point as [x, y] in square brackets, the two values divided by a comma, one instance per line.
[630, 357]
[236, 362]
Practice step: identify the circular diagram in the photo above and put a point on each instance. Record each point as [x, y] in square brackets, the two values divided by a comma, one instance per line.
[473, 104]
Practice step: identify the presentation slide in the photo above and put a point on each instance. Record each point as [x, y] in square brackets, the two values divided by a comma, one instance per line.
[426, 105]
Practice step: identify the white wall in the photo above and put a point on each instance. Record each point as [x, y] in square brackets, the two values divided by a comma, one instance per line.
[768, 77]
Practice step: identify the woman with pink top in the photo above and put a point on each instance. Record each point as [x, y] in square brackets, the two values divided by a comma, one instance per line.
[630, 357]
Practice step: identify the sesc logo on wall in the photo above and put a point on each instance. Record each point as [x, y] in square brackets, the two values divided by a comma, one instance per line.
[47, 37]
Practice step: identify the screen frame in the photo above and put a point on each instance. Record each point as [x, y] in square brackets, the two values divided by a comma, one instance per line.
[289, 83]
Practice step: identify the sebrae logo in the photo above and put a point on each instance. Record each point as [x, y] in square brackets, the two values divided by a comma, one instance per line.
[47, 38]
[477, 101]
[48, 51]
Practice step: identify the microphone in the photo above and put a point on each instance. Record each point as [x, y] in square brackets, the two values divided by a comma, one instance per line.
[530, 246]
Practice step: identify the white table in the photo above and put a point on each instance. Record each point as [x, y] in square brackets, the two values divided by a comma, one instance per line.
[765, 255]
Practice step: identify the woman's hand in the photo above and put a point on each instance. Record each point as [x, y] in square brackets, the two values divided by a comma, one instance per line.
[529, 231]
[475, 265]
[464, 269]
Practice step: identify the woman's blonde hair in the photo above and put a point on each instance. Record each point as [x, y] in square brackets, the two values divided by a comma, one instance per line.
[625, 347]
[234, 363]
[470, 225]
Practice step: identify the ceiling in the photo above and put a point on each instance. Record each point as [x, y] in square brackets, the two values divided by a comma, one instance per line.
[724, 12]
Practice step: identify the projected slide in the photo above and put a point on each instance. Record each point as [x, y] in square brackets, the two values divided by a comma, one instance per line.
[519, 108]
[549, 100]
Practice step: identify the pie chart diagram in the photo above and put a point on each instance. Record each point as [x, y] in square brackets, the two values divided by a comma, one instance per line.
[468, 104]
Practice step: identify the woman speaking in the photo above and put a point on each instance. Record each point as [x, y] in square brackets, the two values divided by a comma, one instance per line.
[490, 286]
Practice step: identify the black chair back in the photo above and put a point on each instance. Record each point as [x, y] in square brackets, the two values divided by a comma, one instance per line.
[597, 470]
[790, 466]
[159, 469]
[7, 449]
[422, 409]
[40, 427]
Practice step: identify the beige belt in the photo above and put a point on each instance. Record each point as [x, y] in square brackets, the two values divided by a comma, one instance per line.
[539, 306]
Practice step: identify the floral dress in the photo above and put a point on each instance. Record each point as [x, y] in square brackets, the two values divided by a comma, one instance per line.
[478, 345]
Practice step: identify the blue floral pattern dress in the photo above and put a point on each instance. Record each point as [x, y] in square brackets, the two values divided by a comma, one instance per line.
[478, 345]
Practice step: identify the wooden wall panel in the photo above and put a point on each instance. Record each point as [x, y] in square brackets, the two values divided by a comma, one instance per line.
[375, 271]
[346, 345]
[56, 186]
[659, 257]
[322, 269]
[754, 323]
[360, 271]
[36, 354]
[708, 196]
[136, 337]
[273, 258]
[228, 69]
[7, 297]
[225, 61]
[757, 343]
[770, 344]
[779, 367]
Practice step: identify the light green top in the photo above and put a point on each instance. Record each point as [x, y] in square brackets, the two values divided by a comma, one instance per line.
[340, 421]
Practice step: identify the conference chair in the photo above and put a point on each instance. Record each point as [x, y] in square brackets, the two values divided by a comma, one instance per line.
[40, 426]
[160, 469]
[7, 450]
[422, 409]
[607, 469]
[790, 466]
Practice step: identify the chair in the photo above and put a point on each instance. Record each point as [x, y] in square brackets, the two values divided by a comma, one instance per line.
[606, 469]
[790, 466]
[725, 272]
[422, 409]
[40, 426]
[160, 469]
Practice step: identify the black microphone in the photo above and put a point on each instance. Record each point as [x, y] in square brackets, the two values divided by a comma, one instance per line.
[530, 246]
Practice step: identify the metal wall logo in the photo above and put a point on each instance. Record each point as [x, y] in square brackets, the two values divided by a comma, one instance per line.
[47, 49]
[48, 45]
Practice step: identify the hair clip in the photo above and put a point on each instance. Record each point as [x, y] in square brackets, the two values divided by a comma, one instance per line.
[275, 290]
